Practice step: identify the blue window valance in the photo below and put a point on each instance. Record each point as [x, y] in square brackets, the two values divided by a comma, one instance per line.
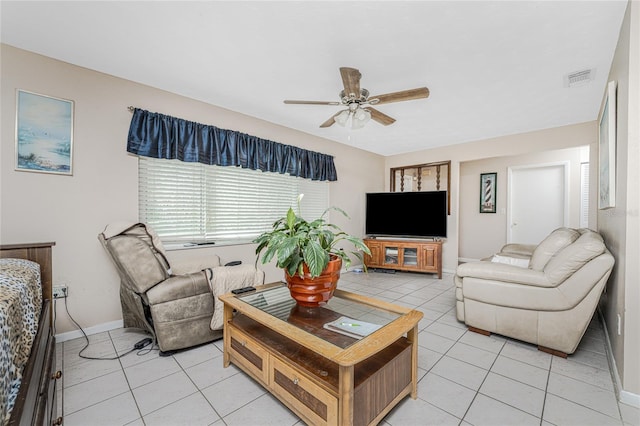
[161, 136]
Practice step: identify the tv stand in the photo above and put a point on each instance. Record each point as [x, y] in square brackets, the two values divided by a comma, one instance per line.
[405, 255]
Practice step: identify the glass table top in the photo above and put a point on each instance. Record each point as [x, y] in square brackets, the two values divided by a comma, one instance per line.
[340, 321]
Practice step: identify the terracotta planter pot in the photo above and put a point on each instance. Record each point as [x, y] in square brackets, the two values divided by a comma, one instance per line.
[311, 292]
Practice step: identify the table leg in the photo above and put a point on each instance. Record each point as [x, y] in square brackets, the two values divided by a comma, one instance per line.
[412, 336]
[345, 395]
[228, 316]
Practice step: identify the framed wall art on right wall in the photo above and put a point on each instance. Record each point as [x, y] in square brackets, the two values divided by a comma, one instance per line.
[607, 150]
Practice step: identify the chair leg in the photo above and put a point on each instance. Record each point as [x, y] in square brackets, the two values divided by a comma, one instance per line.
[552, 351]
[480, 331]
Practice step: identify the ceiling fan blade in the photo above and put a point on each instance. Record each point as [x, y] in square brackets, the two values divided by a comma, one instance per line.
[381, 118]
[404, 95]
[351, 81]
[330, 121]
[311, 102]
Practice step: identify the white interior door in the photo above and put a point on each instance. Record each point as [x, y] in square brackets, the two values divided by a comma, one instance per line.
[538, 201]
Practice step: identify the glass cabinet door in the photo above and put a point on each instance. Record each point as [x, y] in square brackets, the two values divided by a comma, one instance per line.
[391, 255]
[410, 256]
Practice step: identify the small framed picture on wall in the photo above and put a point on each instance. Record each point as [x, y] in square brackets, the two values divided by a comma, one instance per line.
[488, 192]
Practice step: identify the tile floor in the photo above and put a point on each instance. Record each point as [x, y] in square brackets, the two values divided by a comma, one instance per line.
[465, 378]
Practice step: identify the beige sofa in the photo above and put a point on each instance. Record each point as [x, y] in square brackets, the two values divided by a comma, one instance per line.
[544, 294]
[177, 303]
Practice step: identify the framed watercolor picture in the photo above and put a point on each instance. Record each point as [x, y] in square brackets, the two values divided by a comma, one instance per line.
[44, 134]
[488, 192]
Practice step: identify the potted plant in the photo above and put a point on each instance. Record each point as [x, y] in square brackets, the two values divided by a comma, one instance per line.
[309, 254]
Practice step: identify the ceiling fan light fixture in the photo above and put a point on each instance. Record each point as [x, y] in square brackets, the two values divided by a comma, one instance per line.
[360, 118]
[342, 118]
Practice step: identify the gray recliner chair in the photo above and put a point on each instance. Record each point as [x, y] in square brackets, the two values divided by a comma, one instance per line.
[178, 305]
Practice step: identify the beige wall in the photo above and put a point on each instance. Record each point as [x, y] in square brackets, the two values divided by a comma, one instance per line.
[620, 225]
[72, 210]
[481, 234]
[513, 145]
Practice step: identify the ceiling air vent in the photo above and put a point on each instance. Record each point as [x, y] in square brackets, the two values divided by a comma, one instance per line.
[579, 78]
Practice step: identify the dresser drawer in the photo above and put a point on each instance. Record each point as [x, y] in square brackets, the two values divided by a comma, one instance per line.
[249, 354]
[311, 401]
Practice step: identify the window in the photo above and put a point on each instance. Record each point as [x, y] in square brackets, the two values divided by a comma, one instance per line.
[193, 202]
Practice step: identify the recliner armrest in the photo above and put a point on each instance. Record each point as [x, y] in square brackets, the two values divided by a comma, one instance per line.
[178, 287]
[503, 272]
[190, 265]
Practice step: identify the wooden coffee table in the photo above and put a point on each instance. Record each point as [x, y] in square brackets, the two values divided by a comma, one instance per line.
[325, 377]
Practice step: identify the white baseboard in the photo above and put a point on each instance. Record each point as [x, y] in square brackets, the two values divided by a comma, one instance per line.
[70, 335]
[624, 396]
[629, 398]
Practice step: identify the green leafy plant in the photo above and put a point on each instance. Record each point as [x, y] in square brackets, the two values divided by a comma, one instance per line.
[295, 242]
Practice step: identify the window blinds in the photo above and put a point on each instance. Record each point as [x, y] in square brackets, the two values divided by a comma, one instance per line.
[192, 202]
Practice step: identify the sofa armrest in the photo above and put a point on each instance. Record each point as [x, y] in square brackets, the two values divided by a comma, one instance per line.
[503, 272]
[178, 287]
[519, 250]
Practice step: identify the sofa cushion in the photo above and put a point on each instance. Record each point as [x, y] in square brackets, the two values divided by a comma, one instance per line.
[556, 241]
[179, 287]
[573, 257]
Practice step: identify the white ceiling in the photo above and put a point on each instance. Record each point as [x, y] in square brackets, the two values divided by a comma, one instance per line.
[493, 67]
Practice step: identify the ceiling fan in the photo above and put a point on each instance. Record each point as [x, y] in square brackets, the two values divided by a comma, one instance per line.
[358, 102]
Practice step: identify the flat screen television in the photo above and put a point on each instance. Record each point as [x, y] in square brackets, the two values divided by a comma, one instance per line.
[407, 214]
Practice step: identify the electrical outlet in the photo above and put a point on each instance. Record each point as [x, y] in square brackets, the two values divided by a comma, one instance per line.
[60, 291]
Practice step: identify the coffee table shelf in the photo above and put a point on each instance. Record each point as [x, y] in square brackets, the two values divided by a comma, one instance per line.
[323, 376]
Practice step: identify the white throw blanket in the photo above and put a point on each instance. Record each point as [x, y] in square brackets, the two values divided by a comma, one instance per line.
[229, 278]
